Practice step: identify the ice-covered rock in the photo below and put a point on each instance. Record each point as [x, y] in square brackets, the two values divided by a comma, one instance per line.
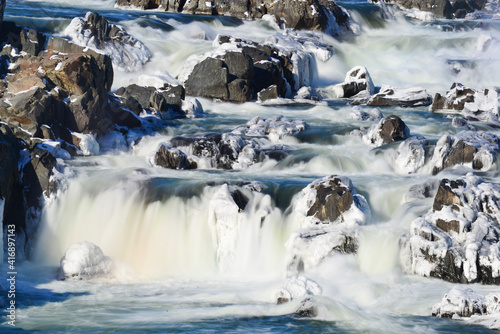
[357, 84]
[193, 108]
[389, 129]
[412, 154]
[95, 32]
[366, 114]
[460, 301]
[84, 260]
[167, 156]
[297, 287]
[87, 143]
[329, 211]
[458, 239]
[474, 149]
[474, 104]
[275, 128]
[398, 97]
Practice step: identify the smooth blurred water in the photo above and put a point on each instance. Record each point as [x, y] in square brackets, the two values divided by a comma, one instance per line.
[155, 222]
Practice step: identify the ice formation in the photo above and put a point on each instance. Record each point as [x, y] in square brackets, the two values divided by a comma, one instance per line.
[84, 260]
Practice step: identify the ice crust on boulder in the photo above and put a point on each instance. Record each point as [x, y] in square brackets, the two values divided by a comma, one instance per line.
[401, 97]
[458, 239]
[126, 52]
[84, 260]
[328, 211]
[297, 287]
[275, 128]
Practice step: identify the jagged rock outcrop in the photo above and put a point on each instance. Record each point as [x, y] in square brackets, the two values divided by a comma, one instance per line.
[241, 70]
[458, 239]
[475, 149]
[329, 211]
[473, 104]
[444, 8]
[10, 190]
[321, 15]
[95, 31]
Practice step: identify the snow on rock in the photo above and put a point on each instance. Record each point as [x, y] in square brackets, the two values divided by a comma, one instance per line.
[460, 301]
[193, 108]
[474, 149]
[95, 32]
[357, 84]
[363, 114]
[458, 239]
[475, 104]
[420, 15]
[157, 80]
[87, 143]
[297, 287]
[411, 155]
[328, 211]
[275, 128]
[389, 129]
[398, 97]
[84, 260]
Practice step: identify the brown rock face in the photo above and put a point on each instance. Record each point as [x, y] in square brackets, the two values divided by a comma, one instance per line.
[393, 129]
[445, 195]
[331, 202]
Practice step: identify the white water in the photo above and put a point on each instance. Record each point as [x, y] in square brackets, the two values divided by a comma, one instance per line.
[187, 260]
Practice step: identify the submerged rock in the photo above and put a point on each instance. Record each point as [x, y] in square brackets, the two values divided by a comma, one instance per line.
[84, 260]
[473, 104]
[458, 239]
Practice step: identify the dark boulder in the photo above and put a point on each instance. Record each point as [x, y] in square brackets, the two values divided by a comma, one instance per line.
[393, 129]
[332, 200]
[209, 79]
[169, 157]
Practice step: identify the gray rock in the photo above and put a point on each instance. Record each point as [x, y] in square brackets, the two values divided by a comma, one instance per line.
[169, 157]
[209, 79]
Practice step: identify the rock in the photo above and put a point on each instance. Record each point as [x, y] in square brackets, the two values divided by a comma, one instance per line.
[275, 128]
[372, 114]
[37, 175]
[84, 260]
[444, 8]
[32, 41]
[483, 105]
[474, 149]
[397, 97]
[10, 191]
[329, 211]
[121, 115]
[297, 287]
[94, 31]
[169, 157]
[460, 301]
[209, 79]
[458, 239]
[307, 309]
[388, 130]
[413, 153]
[357, 83]
[268, 93]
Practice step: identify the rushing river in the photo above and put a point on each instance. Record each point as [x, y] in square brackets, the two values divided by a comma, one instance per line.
[155, 223]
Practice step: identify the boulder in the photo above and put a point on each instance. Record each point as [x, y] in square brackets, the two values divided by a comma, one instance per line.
[460, 301]
[329, 210]
[83, 261]
[357, 83]
[94, 31]
[274, 128]
[457, 240]
[210, 79]
[10, 191]
[297, 287]
[388, 130]
[169, 157]
[36, 176]
[397, 97]
[473, 149]
[269, 93]
[413, 154]
[474, 104]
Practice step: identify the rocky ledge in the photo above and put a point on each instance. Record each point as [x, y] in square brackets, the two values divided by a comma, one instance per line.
[458, 239]
[321, 15]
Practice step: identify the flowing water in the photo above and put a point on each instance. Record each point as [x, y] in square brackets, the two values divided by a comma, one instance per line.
[156, 224]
